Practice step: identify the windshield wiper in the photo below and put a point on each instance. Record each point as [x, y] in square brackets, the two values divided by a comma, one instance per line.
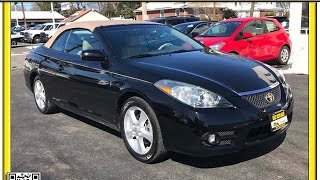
[141, 55]
[184, 50]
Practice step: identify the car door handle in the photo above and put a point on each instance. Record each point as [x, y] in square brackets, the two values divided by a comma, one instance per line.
[60, 67]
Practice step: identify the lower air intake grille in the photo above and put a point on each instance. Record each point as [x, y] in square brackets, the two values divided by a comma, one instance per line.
[225, 142]
[225, 133]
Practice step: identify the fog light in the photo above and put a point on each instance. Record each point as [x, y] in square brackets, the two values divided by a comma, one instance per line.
[212, 139]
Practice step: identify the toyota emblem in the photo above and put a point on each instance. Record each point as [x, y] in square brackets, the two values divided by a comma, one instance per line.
[269, 97]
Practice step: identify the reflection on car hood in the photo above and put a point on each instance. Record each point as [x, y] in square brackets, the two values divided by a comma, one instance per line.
[234, 72]
[208, 41]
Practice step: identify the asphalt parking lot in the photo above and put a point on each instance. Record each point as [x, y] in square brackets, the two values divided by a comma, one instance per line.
[65, 146]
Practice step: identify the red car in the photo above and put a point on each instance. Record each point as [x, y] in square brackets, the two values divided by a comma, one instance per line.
[261, 39]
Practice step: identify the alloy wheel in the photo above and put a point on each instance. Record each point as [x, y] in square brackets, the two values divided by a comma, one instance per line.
[284, 55]
[138, 130]
[39, 94]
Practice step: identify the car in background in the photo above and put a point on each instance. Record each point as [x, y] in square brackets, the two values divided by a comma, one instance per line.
[18, 28]
[15, 38]
[46, 35]
[262, 39]
[31, 26]
[33, 34]
[192, 29]
[174, 20]
[284, 21]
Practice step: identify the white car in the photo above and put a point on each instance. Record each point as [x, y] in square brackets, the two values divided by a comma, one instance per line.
[33, 35]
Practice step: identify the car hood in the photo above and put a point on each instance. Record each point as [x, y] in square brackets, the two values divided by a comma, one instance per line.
[233, 72]
[208, 41]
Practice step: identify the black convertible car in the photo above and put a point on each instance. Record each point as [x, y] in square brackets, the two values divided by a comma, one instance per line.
[161, 89]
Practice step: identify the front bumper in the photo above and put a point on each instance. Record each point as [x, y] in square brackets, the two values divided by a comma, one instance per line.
[27, 38]
[183, 129]
[44, 37]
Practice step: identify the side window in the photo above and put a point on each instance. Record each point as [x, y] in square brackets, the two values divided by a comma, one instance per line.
[60, 43]
[254, 27]
[271, 26]
[81, 39]
[200, 28]
[61, 25]
[48, 27]
[189, 19]
[172, 22]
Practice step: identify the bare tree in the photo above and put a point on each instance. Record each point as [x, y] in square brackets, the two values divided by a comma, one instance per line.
[24, 16]
[251, 9]
[214, 10]
[17, 6]
[144, 10]
[204, 8]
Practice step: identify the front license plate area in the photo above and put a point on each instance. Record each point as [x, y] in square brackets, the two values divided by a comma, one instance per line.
[279, 120]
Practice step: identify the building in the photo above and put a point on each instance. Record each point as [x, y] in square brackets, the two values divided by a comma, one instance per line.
[261, 9]
[85, 15]
[35, 17]
[205, 10]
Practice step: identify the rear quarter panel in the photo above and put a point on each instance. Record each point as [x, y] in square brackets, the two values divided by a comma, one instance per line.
[278, 40]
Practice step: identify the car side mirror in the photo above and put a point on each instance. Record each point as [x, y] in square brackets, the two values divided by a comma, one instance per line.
[194, 34]
[92, 55]
[247, 35]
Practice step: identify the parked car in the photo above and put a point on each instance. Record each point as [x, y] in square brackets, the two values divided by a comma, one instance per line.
[284, 21]
[261, 39]
[33, 35]
[174, 20]
[17, 29]
[161, 89]
[46, 35]
[30, 26]
[15, 38]
[192, 29]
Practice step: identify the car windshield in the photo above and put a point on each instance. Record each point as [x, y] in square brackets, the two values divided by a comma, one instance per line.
[39, 27]
[222, 29]
[139, 41]
[185, 28]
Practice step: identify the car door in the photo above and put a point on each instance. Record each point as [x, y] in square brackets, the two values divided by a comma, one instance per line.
[88, 88]
[273, 40]
[250, 47]
[51, 68]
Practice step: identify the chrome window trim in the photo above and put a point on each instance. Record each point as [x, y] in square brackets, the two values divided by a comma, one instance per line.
[259, 90]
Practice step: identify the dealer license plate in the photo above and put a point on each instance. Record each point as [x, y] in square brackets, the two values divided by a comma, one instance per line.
[279, 120]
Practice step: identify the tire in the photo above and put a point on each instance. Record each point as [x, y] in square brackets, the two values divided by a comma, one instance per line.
[134, 135]
[13, 42]
[40, 98]
[36, 39]
[284, 55]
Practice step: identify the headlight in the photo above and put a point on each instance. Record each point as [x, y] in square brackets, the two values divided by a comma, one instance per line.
[192, 95]
[217, 46]
[278, 72]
